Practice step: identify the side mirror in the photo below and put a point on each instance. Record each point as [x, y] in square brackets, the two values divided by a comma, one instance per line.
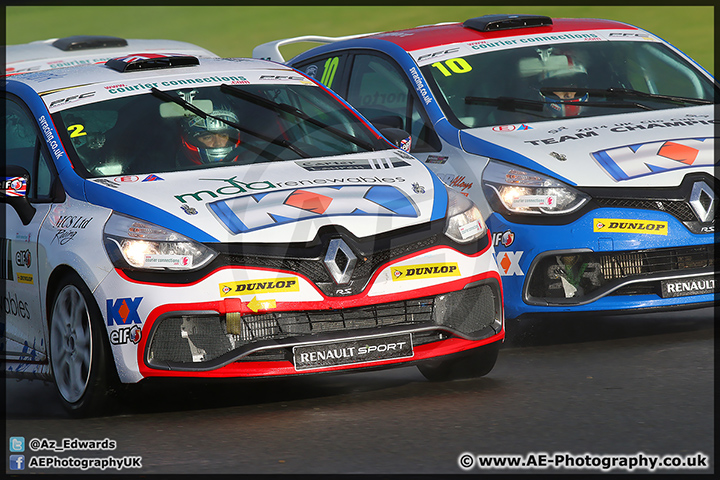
[398, 137]
[15, 182]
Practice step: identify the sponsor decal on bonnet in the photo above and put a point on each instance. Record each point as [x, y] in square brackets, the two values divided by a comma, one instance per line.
[616, 225]
[266, 285]
[641, 159]
[429, 270]
[253, 212]
[509, 263]
[123, 311]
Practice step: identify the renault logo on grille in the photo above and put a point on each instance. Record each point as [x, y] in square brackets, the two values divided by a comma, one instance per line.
[340, 261]
[702, 200]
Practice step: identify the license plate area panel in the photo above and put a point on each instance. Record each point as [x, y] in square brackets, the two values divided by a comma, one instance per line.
[349, 352]
[683, 287]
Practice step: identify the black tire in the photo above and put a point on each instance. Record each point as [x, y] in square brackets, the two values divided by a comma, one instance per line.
[477, 362]
[80, 355]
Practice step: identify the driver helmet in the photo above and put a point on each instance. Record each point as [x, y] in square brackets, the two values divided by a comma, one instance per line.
[564, 75]
[208, 140]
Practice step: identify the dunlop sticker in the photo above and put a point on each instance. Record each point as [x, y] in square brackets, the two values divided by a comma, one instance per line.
[430, 270]
[268, 285]
[25, 278]
[649, 227]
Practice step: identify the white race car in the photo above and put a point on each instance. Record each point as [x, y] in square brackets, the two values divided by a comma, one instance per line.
[169, 216]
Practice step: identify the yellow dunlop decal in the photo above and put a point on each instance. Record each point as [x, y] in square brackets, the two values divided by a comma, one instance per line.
[25, 278]
[429, 270]
[649, 227]
[267, 285]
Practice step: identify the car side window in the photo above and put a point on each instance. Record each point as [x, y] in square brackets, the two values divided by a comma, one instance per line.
[23, 147]
[379, 91]
[326, 70]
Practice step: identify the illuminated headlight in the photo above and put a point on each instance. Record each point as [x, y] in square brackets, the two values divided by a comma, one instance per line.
[525, 191]
[148, 246]
[464, 222]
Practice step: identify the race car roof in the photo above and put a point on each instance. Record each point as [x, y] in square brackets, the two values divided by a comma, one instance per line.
[478, 29]
[87, 49]
[442, 34]
[49, 81]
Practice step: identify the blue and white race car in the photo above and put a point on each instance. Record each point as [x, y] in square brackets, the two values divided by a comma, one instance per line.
[169, 216]
[587, 144]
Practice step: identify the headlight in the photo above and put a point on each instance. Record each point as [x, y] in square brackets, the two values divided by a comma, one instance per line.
[524, 191]
[464, 221]
[148, 246]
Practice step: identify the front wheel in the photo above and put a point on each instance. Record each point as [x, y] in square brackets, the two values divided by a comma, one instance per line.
[477, 362]
[79, 350]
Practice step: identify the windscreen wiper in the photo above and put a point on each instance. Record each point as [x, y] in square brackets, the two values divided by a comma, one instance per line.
[264, 102]
[507, 103]
[192, 108]
[629, 93]
[513, 103]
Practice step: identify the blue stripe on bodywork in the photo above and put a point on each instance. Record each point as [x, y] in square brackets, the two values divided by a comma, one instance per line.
[120, 202]
[609, 165]
[71, 181]
[478, 146]
[392, 199]
[447, 132]
[225, 214]
[440, 200]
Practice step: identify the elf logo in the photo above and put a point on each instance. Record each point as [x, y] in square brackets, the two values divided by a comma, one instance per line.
[23, 258]
[254, 212]
[505, 238]
[639, 160]
[123, 335]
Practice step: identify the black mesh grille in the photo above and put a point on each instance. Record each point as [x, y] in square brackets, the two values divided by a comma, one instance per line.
[579, 276]
[289, 324]
[625, 264]
[677, 208]
[197, 340]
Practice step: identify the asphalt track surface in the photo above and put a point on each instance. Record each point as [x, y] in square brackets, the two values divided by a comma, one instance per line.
[634, 386]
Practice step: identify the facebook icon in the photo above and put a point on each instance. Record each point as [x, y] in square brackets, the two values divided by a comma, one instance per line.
[17, 462]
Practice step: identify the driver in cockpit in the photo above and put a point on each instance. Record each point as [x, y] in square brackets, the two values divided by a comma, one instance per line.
[208, 140]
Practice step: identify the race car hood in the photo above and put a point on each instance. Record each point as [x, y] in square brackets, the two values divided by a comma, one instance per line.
[654, 148]
[281, 202]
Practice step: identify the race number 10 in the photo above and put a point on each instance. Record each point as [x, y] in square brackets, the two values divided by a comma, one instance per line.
[454, 65]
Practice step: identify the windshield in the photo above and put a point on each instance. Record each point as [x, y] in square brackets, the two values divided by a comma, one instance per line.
[174, 130]
[537, 83]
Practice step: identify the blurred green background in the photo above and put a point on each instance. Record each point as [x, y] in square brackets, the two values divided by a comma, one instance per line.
[233, 31]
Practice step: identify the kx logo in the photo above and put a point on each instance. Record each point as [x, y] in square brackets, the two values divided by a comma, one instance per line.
[253, 212]
[509, 263]
[642, 159]
[123, 311]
